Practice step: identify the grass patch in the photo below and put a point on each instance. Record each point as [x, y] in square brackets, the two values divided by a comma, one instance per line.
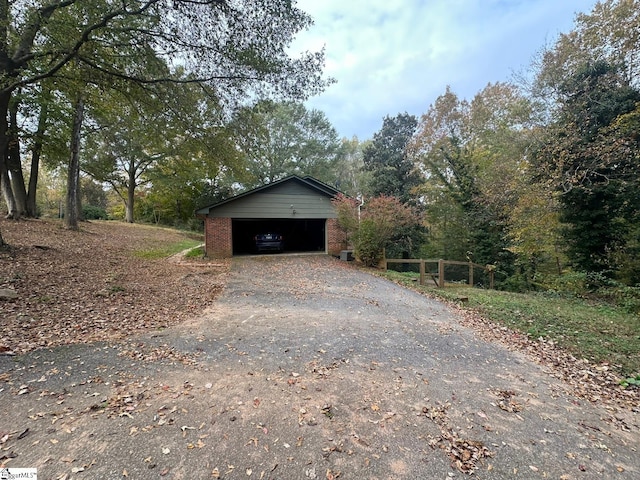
[167, 250]
[594, 330]
[197, 252]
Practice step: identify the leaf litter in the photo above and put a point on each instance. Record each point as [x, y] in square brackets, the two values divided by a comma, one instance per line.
[89, 286]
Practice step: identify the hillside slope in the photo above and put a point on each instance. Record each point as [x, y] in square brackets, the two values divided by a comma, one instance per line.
[94, 284]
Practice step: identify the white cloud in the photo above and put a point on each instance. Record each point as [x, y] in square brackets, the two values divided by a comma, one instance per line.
[390, 57]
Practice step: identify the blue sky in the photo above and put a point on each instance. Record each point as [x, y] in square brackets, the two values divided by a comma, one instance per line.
[389, 57]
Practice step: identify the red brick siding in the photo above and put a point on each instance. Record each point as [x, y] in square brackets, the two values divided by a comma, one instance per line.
[218, 238]
[336, 237]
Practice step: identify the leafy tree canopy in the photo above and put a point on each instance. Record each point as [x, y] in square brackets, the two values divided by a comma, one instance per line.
[392, 172]
[239, 49]
[286, 138]
[231, 45]
[594, 163]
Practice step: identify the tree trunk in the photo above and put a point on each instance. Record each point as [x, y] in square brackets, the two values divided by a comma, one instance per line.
[14, 164]
[32, 208]
[7, 190]
[36, 152]
[131, 190]
[73, 175]
[79, 199]
[5, 181]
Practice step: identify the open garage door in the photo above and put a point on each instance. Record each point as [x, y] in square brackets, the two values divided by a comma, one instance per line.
[299, 235]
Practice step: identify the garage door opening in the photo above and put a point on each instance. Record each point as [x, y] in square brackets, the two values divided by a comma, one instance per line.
[299, 235]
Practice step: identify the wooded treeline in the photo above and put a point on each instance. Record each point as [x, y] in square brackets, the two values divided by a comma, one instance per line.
[170, 105]
[542, 175]
[538, 176]
[138, 94]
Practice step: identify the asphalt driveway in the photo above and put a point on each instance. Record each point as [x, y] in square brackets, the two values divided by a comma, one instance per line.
[306, 368]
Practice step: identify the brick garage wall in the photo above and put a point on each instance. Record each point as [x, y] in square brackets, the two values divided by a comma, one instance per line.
[218, 239]
[336, 237]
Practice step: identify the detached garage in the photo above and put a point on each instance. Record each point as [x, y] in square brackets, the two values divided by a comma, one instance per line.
[298, 209]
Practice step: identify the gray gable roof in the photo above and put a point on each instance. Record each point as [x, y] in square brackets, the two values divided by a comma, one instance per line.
[308, 182]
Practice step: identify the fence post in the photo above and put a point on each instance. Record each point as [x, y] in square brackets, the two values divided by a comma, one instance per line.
[383, 261]
[491, 274]
[422, 269]
[470, 274]
[440, 273]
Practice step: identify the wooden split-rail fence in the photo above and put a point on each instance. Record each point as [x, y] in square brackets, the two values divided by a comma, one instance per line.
[439, 276]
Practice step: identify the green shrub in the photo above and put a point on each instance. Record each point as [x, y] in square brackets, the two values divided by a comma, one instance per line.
[384, 222]
[592, 285]
[573, 283]
[518, 283]
[91, 212]
[628, 298]
[368, 243]
[631, 382]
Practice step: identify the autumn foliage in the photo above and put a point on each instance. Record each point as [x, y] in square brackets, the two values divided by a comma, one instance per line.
[378, 224]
